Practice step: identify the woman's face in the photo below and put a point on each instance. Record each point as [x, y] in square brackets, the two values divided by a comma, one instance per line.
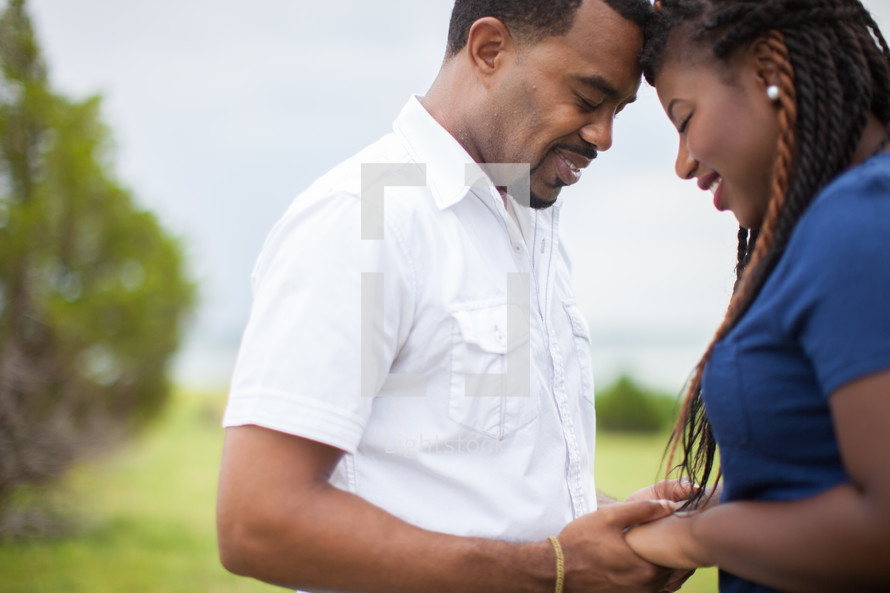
[728, 128]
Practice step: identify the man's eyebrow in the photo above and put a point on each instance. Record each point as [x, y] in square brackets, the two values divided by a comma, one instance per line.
[601, 84]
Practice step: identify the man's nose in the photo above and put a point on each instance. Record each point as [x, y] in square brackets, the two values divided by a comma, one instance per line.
[599, 133]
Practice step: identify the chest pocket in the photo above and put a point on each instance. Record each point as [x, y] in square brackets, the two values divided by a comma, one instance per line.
[490, 389]
[581, 338]
[724, 397]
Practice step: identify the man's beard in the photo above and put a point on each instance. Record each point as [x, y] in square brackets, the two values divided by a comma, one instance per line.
[537, 203]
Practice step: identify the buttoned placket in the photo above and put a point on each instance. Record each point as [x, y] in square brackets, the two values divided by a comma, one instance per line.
[545, 273]
[541, 273]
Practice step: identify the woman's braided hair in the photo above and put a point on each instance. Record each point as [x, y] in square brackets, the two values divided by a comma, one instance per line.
[834, 71]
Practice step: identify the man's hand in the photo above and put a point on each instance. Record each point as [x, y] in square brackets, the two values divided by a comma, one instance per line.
[597, 558]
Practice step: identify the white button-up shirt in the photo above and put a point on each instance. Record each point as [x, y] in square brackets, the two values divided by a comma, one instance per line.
[438, 344]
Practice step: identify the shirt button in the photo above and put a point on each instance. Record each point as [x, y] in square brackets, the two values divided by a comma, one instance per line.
[517, 246]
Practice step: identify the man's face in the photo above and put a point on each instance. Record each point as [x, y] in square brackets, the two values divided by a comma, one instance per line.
[558, 98]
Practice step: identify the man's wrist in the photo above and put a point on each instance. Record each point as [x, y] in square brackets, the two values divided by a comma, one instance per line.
[537, 562]
[560, 564]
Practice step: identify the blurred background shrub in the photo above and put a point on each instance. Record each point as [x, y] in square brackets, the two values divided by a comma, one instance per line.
[93, 293]
[625, 406]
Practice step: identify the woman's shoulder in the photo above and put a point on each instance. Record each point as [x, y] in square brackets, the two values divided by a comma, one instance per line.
[848, 224]
[869, 180]
[854, 201]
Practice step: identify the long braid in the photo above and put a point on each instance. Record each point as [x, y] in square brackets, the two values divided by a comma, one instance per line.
[834, 69]
[752, 275]
[881, 101]
[760, 263]
[741, 255]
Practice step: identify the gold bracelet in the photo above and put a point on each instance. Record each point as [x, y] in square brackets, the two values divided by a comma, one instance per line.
[560, 564]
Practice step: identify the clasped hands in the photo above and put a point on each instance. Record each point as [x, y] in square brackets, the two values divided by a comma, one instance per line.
[670, 540]
[640, 545]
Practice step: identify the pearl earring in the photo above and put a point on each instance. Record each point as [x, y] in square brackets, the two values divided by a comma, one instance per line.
[772, 91]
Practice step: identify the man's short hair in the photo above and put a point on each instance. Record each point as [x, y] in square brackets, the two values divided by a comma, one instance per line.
[531, 20]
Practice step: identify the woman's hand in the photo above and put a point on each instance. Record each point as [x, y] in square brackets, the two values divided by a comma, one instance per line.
[676, 490]
[669, 542]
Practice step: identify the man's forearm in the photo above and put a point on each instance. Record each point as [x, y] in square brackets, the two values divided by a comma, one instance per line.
[333, 540]
[279, 520]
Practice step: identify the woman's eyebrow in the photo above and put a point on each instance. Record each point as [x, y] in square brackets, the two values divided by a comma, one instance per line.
[670, 109]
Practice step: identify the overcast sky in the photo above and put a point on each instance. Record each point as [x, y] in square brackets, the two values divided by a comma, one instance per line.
[223, 111]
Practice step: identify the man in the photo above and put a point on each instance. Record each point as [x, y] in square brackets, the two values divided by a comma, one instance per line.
[413, 391]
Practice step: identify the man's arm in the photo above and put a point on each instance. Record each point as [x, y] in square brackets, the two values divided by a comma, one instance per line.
[281, 521]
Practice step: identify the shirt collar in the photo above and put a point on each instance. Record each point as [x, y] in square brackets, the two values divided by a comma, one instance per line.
[449, 166]
[428, 142]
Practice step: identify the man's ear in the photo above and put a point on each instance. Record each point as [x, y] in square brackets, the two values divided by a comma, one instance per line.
[488, 44]
[762, 60]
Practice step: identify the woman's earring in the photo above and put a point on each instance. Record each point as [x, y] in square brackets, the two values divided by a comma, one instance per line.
[773, 92]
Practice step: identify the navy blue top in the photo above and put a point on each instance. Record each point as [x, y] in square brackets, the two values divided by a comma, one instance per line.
[821, 321]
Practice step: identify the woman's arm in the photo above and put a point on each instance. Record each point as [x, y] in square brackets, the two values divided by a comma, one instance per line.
[670, 542]
[836, 541]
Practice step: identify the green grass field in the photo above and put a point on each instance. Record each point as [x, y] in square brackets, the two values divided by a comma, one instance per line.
[147, 513]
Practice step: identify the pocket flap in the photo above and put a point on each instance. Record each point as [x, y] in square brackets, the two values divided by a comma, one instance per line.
[487, 328]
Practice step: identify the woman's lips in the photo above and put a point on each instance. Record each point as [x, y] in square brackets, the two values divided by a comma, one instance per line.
[714, 183]
[717, 189]
[708, 180]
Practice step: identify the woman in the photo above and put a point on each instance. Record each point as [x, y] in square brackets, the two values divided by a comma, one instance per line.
[782, 107]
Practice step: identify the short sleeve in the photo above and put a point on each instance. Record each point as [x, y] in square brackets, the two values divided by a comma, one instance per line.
[300, 364]
[840, 272]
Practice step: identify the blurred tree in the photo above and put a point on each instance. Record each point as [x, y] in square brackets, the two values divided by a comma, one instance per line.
[92, 291]
[625, 406]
